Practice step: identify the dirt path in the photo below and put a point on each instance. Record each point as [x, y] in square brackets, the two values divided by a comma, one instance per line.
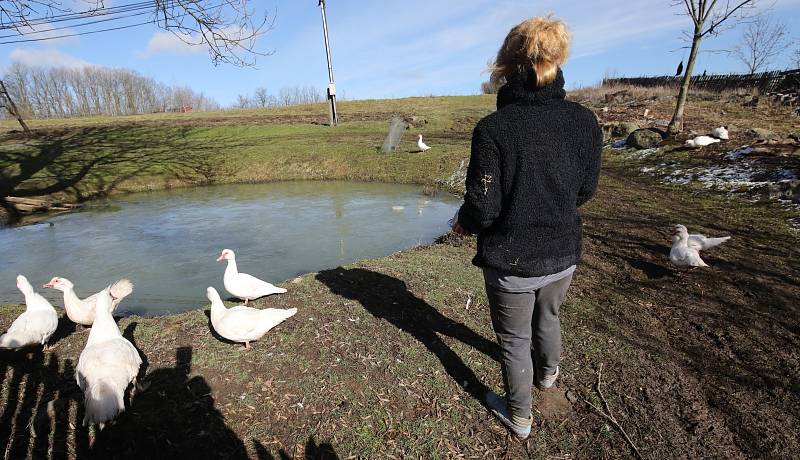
[387, 357]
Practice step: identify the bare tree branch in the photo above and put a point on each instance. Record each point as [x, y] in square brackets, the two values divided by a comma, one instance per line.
[762, 41]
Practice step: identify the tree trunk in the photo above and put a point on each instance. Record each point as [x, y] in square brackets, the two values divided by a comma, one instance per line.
[12, 108]
[676, 125]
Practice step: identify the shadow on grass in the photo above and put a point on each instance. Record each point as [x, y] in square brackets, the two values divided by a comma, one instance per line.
[388, 298]
[313, 451]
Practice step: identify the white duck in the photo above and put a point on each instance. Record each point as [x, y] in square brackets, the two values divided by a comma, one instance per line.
[686, 248]
[82, 311]
[701, 141]
[696, 240]
[720, 133]
[36, 325]
[241, 323]
[422, 146]
[107, 365]
[242, 285]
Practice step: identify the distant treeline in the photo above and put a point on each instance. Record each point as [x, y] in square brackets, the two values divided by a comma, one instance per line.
[53, 92]
[764, 81]
[291, 95]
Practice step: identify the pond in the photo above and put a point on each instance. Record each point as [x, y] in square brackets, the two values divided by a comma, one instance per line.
[167, 242]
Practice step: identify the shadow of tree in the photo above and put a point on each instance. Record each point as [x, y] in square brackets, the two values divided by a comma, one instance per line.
[388, 298]
[89, 162]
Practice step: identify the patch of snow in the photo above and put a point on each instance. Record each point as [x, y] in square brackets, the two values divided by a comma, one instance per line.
[738, 154]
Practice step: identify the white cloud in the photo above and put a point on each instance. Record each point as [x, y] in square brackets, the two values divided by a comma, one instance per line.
[169, 43]
[47, 57]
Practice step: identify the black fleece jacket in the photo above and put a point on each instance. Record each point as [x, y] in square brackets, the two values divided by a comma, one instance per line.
[534, 161]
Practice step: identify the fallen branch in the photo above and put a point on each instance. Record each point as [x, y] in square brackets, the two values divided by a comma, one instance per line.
[609, 415]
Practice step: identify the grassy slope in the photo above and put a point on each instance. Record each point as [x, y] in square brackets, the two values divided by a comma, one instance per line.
[695, 363]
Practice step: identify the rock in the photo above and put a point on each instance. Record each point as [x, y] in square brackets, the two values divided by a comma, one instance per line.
[617, 129]
[795, 136]
[572, 397]
[762, 133]
[646, 138]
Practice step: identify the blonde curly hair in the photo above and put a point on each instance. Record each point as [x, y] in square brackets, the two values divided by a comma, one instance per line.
[539, 43]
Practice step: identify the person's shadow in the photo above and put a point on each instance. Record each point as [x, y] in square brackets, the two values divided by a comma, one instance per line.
[174, 417]
[388, 298]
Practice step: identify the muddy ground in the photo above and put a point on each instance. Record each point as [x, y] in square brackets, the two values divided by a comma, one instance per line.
[388, 358]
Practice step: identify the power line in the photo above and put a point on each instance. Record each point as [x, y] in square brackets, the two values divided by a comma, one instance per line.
[77, 34]
[74, 16]
[33, 32]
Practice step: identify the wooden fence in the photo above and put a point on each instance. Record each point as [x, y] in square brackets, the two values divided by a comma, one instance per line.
[766, 82]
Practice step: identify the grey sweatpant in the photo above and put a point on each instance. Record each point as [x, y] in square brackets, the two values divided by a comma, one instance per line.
[528, 330]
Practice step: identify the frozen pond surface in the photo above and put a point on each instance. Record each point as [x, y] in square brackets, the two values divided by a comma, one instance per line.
[167, 242]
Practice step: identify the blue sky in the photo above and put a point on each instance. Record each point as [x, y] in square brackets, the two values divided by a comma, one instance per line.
[404, 48]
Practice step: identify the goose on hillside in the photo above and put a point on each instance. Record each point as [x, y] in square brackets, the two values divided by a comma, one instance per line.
[697, 240]
[686, 248]
[244, 324]
[107, 365]
[242, 285]
[422, 146]
[35, 325]
[82, 311]
[701, 141]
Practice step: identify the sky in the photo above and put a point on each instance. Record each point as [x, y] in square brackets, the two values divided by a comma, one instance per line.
[390, 48]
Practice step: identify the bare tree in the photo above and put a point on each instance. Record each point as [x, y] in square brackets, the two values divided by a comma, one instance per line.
[762, 41]
[261, 97]
[54, 92]
[709, 17]
[796, 58]
[243, 102]
[227, 28]
[8, 103]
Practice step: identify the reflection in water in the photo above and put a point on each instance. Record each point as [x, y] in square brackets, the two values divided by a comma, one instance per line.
[166, 242]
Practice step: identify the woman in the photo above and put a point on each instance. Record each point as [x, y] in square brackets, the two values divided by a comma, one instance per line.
[534, 162]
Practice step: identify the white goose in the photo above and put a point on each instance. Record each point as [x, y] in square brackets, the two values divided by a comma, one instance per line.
[242, 285]
[686, 248]
[82, 311]
[241, 323]
[422, 146]
[107, 365]
[720, 133]
[701, 141]
[696, 240]
[36, 325]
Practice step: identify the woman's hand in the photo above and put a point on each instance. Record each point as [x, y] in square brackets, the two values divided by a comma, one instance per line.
[459, 230]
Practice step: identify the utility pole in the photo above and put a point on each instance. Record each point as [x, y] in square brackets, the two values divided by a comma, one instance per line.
[331, 84]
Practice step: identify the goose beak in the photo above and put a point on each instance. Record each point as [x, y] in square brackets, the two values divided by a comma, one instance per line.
[220, 258]
[47, 285]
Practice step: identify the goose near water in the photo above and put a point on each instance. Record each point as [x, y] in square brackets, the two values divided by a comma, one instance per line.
[82, 311]
[107, 365]
[244, 324]
[242, 285]
[701, 141]
[35, 325]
